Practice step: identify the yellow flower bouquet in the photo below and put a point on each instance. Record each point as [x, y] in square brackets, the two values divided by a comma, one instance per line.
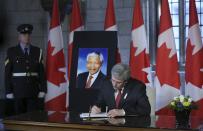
[181, 103]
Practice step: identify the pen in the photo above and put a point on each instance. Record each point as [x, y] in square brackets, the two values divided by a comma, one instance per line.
[90, 111]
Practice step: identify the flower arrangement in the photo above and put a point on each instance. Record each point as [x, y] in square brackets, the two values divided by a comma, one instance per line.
[181, 103]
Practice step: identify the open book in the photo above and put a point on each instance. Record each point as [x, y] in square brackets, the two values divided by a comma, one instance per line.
[99, 115]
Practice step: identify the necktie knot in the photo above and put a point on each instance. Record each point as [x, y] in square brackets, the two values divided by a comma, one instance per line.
[91, 77]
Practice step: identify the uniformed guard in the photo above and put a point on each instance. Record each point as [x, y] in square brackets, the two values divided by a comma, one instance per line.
[24, 73]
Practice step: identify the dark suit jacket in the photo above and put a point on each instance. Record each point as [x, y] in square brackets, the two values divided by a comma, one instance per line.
[84, 98]
[82, 79]
[133, 100]
[16, 62]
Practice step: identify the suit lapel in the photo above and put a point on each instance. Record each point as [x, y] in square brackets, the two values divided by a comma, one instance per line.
[31, 54]
[96, 81]
[31, 51]
[124, 96]
[84, 80]
[112, 98]
[20, 51]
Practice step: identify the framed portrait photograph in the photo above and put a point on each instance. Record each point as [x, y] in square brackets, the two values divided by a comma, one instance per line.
[93, 57]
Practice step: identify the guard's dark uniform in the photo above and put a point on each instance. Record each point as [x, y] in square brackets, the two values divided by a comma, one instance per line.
[24, 77]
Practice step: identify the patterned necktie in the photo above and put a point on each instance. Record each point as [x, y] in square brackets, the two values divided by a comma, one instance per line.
[88, 82]
[118, 98]
[26, 52]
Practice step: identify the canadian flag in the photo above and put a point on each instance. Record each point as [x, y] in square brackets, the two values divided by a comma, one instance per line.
[56, 69]
[110, 24]
[167, 79]
[139, 51]
[76, 24]
[194, 61]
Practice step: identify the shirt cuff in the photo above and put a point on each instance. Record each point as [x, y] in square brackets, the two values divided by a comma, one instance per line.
[123, 112]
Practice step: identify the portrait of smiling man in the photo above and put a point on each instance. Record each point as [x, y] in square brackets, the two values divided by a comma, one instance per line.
[94, 76]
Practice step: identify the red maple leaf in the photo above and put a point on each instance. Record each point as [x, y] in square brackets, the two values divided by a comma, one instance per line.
[54, 63]
[137, 63]
[193, 65]
[167, 68]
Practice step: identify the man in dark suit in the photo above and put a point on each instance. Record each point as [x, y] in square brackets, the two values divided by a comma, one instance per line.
[93, 78]
[122, 95]
[24, 73]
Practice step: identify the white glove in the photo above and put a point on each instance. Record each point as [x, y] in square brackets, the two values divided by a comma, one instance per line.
[10, 96]
[41, 95]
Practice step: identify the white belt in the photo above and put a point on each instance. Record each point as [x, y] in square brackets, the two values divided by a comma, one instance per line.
[25, 74]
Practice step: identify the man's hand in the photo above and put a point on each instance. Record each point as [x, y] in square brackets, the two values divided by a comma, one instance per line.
[116, 112]
[95, 110]
[41, 95]
[10, 96]
[116, 121]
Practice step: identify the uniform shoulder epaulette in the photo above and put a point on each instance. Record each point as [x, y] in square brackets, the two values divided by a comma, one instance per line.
[10, 49]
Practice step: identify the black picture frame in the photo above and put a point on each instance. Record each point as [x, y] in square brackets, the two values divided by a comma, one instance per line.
[80, 99]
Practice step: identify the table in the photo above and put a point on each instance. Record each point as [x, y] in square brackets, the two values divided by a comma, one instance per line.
[69, 121]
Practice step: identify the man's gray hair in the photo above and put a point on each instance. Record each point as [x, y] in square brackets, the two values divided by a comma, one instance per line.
[121, 71]
[95, 54]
